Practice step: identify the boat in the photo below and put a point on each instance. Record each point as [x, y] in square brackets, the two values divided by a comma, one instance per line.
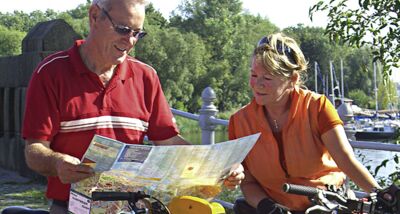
[377, 131]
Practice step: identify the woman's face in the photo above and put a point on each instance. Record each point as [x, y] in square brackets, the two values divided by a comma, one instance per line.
[268, 89]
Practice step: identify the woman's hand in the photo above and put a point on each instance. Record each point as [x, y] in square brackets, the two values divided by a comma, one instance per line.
[235, 177]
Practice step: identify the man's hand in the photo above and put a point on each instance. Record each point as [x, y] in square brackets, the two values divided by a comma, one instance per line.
[42, 159]
[70, 170]
[235, 177]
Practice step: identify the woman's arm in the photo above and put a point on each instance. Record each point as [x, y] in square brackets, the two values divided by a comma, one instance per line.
[341, 151]
[252, 191]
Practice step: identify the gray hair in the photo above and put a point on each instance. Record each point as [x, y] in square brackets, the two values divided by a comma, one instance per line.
[106, 3]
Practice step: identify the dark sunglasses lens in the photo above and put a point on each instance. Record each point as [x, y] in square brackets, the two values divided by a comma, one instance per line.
[263, 41]
[139, 34]
[122, 30]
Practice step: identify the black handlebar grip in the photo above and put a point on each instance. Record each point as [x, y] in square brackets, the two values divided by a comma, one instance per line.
[111, 196]
[300, 190]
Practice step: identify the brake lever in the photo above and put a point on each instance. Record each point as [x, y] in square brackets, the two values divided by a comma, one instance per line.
[318, 208]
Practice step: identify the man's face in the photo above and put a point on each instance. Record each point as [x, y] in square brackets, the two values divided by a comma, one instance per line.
[114, 46]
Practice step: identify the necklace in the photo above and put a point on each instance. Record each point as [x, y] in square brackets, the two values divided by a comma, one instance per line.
[276, 122]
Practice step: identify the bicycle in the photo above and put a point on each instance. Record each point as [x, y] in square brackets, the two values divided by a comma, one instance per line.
[152, 205]
[386, 201]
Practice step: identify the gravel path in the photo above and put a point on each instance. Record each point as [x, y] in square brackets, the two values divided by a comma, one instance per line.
[17, 190]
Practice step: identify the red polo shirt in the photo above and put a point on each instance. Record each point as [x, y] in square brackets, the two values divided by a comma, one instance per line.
[67, 104]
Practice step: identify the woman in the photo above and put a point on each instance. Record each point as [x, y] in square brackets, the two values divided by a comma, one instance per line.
[303, 139]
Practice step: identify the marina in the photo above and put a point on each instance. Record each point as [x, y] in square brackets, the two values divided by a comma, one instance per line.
[377, 131]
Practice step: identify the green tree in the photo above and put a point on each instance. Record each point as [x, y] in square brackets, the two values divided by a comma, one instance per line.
[78, 18]
[81, 11]
[80, 25]
[249, 29]
[374, 24]
[179, 59]
[214, 22]
[387, 95]
[154, 17]
[316, 48]
[229, 38]
[10, 41]
[359, 70]
[23, 22]
[360, 98]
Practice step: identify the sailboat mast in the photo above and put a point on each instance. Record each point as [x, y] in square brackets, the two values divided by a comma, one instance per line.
[332, 84]
[315, 74]
[376, 91]
[341, 77]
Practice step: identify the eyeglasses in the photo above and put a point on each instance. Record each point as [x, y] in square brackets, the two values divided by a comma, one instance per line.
[124, 30]
[281, 48]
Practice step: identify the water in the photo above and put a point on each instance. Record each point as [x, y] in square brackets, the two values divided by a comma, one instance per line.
[195, 138]
[371, 158]
[374, 158]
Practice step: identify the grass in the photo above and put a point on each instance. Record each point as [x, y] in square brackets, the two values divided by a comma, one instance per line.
[23, 194]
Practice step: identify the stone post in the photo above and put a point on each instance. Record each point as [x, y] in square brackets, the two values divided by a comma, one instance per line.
[208, 110]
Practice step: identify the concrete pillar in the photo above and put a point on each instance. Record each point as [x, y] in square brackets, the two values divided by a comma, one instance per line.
[208, 110]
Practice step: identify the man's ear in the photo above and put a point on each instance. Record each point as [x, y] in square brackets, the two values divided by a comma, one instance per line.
[94, 13]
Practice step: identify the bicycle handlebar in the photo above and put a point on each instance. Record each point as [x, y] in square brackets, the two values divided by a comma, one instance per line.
[300, 190]
[384, 201]
[312, 192]
[118, 196]
[156, 207]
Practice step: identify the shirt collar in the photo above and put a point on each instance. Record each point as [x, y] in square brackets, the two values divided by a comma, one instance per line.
[122, 71]
[76, 58]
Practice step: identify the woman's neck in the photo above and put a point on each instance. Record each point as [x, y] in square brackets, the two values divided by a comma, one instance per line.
[278, 113]
[281, 106]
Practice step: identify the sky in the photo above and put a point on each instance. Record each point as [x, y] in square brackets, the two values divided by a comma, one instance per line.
[283, 13]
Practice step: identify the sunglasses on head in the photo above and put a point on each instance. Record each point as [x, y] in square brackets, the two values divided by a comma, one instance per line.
[281, 48]
[124, 30]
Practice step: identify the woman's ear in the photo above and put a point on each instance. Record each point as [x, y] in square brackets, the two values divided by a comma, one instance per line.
[295, 78]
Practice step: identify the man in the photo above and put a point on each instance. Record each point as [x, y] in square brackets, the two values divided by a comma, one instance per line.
[95, 88]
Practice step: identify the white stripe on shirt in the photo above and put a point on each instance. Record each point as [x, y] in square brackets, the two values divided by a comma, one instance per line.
[59, 57]
[103, 122]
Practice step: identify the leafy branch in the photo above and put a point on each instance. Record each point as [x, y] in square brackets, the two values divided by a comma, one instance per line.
[374, 24]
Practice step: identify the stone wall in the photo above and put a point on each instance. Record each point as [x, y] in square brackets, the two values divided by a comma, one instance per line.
[15, 71]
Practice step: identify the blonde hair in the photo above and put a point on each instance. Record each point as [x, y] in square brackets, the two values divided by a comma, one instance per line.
[282, 56]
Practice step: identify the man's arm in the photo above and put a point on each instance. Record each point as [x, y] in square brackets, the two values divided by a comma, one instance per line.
[42, 159]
